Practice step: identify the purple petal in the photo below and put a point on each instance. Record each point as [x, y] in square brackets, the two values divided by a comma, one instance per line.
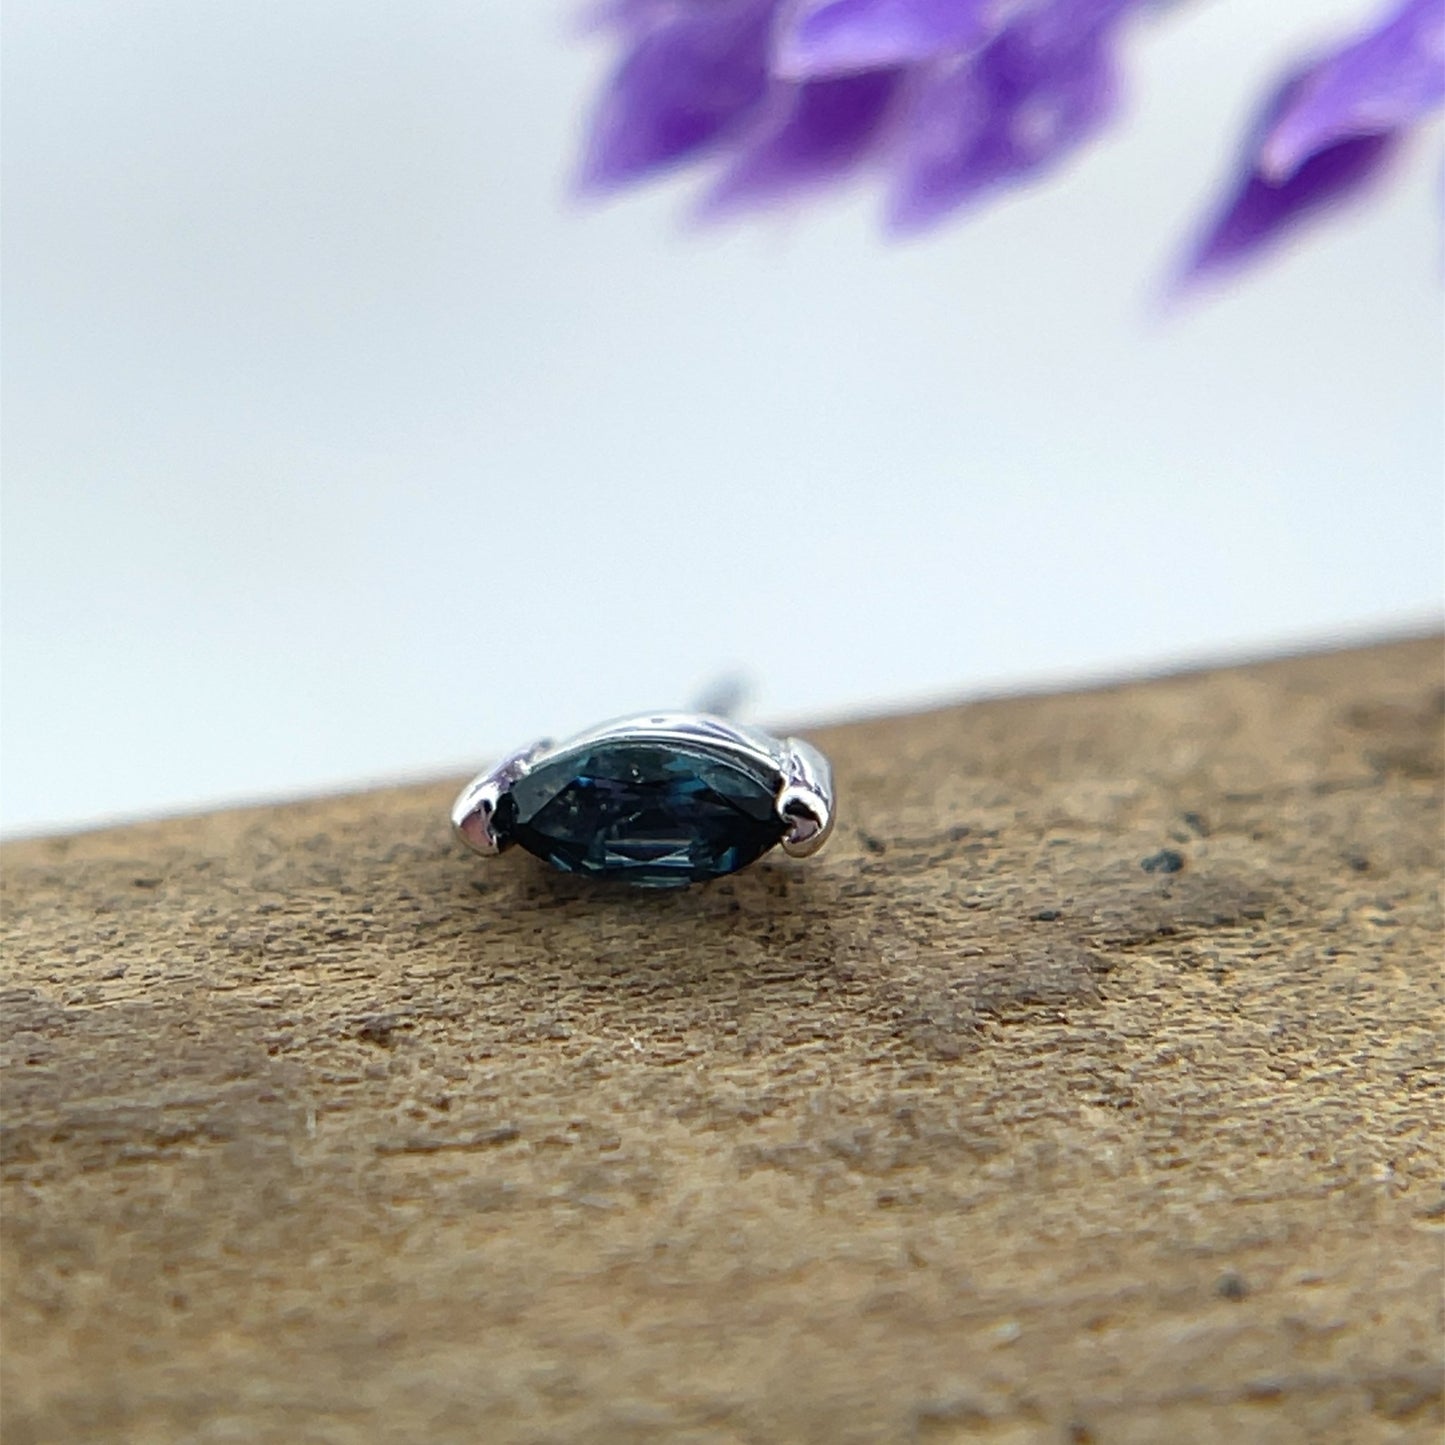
[1264, 209]
[1054, 25]
[836, 37]
[1021, 105]
[818, 132]
[1262, 213]
[690, 77]
[1384, 81]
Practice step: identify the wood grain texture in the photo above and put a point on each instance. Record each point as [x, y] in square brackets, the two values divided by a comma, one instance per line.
[971, 1129]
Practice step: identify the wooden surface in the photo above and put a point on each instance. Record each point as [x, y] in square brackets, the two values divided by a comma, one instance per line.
[973, 1128]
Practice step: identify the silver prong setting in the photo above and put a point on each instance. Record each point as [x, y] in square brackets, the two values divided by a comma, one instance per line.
[805, 799]
[475, 809]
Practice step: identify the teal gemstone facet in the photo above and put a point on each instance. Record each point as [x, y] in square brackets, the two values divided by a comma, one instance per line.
[653, 813]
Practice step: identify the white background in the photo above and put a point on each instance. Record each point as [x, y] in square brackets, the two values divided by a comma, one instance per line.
[340, 446]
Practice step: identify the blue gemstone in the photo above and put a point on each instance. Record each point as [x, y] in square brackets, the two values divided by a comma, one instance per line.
[656, 814]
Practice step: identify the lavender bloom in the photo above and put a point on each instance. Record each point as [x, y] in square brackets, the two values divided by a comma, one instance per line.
[946, 98]
[1384, 82]
[837, 37]
[951, 100]
[691, 74]
[1039, 88]
[1327, 134]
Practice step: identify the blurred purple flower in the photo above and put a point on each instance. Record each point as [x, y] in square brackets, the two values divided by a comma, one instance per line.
[1040, 87]
[1380, 84]
[951, 100]
[692, 71]
[835, 37]
[1327, 133]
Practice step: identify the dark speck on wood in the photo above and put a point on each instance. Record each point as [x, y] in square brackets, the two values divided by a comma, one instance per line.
[1166, 860]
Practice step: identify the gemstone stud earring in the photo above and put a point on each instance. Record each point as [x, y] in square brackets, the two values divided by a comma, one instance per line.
[659, 801]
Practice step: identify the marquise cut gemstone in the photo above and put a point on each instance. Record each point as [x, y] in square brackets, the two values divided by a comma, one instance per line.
[652, 813]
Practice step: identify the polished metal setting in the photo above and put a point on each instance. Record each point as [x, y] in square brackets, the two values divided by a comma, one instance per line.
[802, 777]
[805, 801]
[476, 807]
